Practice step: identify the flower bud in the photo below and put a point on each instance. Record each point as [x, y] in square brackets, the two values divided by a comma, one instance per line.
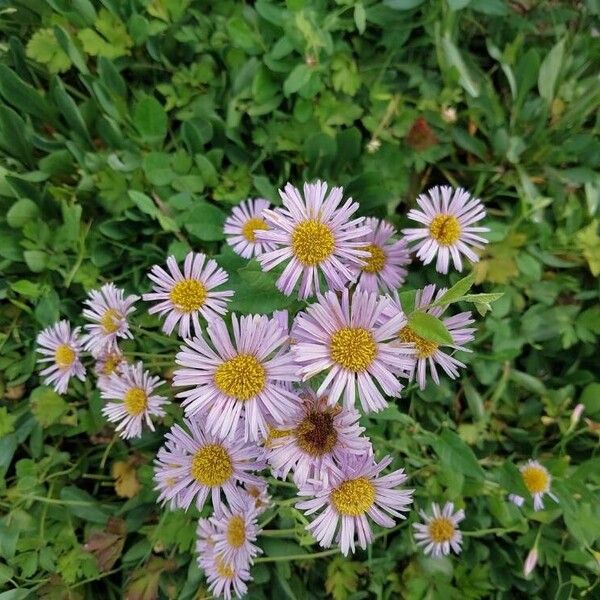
[530, 562]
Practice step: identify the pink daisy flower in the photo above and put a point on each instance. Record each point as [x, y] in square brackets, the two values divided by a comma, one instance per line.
[350, 338]
[224, 578]
[448, 216]
[241, 227]
[235, 533]
[133, 400]
[537, 480]
[194, 464]
[107, 363]
[385, 267]
[183, 297]
[61, 347]
[314, 235]
[430, 353]
[108, 309]
[239, 379]
[353, 492]
[315, 436]
[440, 532]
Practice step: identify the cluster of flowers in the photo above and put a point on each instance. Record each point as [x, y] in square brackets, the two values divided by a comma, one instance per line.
[242, 380]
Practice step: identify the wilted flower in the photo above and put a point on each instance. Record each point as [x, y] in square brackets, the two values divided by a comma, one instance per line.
[60, 347]
[448, 216]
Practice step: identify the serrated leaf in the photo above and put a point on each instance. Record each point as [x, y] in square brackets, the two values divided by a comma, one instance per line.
[429, 327]
[44, 48]
[109, 39]
[47, 406]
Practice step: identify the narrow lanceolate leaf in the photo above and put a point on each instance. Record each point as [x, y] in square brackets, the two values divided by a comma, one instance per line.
[429, 327]
[457, 291]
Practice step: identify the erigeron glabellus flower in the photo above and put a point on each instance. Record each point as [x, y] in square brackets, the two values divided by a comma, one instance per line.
[132, 400]
[385, 267]
[241, 227]
[354, 491]
[428, 353]
[108, 308]
[183, 297]
[235, 533]
[314, 235]
[447, 216]
[60, 347]
[194, 464]
[537, 480]
[350, 338]
[224, 578]
[440, 533]
[237, 380]
[315, 436]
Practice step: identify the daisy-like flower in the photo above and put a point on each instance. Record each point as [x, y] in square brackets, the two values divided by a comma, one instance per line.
[235, 532]
[108, 309]
[224, 578]
[385, 267]
[233, 379]
[132, 401]
[440, 532]
[537, 480]
[353, 492]
[313, 235]
[184, 297]
[350, 338]
[194, 464]
[314, 438]
[448, 216]
[107, 363]
[60, 346]
[241, 227]
[430, 353]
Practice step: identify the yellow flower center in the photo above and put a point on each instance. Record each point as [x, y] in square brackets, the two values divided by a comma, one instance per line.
[241, 377]
[424, 347]
[535, 479]
[376, 261]
[110, 320]
[64, 356]
[188, 295]
[353, 347]
[312, 242]
[236, 531]
[251, 226]
[135, 401]
[353, 497]
[445, 229]
[111, 362]
[211, 465]
[441, 529]
[224, 569]
[316, 433]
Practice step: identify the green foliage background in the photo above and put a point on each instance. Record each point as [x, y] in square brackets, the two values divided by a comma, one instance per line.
[129, 128]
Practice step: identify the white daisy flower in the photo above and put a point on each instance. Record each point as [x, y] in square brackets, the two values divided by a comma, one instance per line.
[537, 480]
[440, 532]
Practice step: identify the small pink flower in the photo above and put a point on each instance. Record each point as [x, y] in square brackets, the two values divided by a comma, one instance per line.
[241, 227]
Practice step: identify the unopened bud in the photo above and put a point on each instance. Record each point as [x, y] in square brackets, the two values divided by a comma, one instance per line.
[449, 114]
[530, 562]
[576, 414]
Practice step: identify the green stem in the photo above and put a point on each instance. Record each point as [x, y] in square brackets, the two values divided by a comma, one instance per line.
[484, 532]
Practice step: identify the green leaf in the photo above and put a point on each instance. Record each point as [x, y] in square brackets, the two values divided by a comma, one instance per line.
[205, 222]
[454, 453]
[429, 327]
[47, 406]
[144, 203]
[23, 96]
[23, 211]
[590, 398]
[7, 422]
[83, 505]
[549, 71]
[15, 138]
[150, 120]
[69, 110]
[37, 260]
[360, 17]
[44, 48]
[454, 58]
[110, 38]
[297, 79]
[457, 291]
